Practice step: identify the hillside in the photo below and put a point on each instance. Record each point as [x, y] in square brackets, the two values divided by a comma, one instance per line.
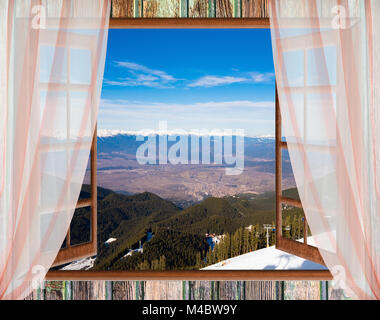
[179, 235]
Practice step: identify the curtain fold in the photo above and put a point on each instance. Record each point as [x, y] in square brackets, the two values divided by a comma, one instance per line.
[52, 55]
[327, 64]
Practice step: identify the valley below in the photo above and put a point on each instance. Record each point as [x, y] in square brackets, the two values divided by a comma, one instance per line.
[170, 217]
[186, 184]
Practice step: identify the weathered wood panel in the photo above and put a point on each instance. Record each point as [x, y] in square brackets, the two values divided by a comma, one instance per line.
[82, 290]
[224, 8]
[255, 9]
[327, 7]
[302, 290]
[215, 8]
[37, 294]
[98, 290]
[83, 9]
[198, 8]
[162, 8]
[124, 290]
[262, 290]
[163, 290]
[337, 293]
[293, 8]
[54, 290]
[200, 290]
[188, 290]
[124, 8]
[88, 290]
[32, 296]
[231, 290]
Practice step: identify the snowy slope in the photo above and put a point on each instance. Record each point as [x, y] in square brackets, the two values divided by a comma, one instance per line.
[267, 259]
[83, 264]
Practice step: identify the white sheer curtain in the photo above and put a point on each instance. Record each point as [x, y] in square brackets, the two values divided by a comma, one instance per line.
[327, 61]
[52, 55]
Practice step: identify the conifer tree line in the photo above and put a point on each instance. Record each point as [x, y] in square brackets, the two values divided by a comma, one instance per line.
[245, 240]
[179, 241]
[170, 250]
[156, 264]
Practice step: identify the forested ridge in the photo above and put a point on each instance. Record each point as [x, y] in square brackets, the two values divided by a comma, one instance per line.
[179, 235]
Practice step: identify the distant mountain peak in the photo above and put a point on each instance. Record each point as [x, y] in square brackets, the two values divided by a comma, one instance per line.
[106, 133]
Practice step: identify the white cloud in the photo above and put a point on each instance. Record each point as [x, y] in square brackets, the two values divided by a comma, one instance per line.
[255, 117]
[212, 81]
[125, 104]
[137, 82]
[237, 104]
[141, 75]
[139, 67]
[261, 77]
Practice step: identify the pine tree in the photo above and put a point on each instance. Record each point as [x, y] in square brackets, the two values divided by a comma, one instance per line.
[287, 227]
[245, 240]
[154, 265]
[143, 265]
[294, 227]
[299, 227]
[162, 263]
[198, 259]
[273, 235]
[226, 246]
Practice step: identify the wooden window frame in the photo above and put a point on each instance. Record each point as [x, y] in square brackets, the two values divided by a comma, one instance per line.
[301, 249]
[81, 42]
[298, 44]
[140, 23]
[88, 249]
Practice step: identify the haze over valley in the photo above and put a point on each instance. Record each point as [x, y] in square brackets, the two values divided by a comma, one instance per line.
[184, 184]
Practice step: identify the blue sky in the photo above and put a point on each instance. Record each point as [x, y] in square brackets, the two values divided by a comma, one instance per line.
[193, 79]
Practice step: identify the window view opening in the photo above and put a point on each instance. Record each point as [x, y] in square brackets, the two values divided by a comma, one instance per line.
[186, 155]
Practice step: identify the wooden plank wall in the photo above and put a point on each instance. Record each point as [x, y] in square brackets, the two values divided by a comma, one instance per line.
[216, 8]
[189, 9]
[187, 290]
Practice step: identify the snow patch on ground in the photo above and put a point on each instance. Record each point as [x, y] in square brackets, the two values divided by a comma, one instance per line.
[83, 264]
[267, 259]
[110, 240]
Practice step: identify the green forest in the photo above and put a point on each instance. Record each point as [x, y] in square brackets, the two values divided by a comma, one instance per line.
[178, 236]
